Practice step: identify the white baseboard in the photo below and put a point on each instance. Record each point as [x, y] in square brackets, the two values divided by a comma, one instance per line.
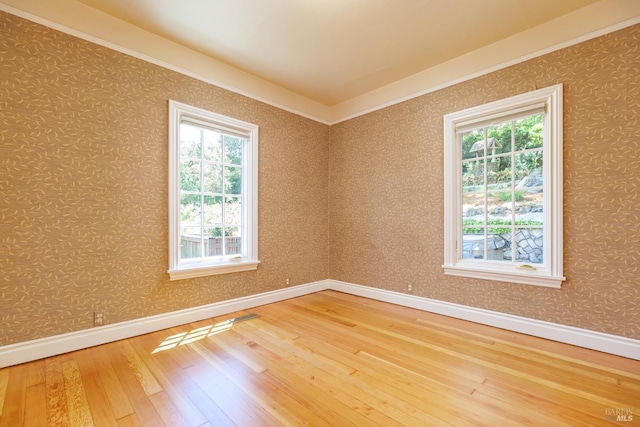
[27, 351]
[593, 340]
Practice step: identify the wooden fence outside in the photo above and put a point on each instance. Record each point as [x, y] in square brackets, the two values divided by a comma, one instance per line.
[190, 246]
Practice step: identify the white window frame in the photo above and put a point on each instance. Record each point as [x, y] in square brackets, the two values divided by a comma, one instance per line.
[550, 272]
[248, 260]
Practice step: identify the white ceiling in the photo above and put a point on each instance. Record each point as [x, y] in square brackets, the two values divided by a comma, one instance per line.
[331, 51]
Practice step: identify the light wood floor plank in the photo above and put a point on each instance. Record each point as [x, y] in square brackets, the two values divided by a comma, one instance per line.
[144, 410]
[510, 365]
[314, 371]
[129, 421]
[226, 396]
[57, 410]
[533, 344]
[15, 398]
[114, 390]
[375, 391]
[438, 367]
[543, 408]
[167, 410]
[97, 399]
[254, 385]
[325, 359]
[207, 407]
[36, 402]
[79, 412]
[285, 370]
[145, 378]
[175, 372]
[36, 373]
[4, 380]
[188, 412]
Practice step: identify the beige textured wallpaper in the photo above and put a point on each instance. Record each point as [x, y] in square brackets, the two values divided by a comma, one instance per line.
[386, 190]
[83, 197]
[83, 187]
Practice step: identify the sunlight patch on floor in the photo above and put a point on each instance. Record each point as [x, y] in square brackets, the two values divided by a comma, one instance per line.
[199, 333]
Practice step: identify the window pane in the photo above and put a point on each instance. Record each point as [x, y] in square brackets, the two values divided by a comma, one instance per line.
[212, 178]
[529, 206]
[507, 251]
[496, 243]
[213, 241]
[529, 132]
[193, 231]
[233, 150]
[232, 180]
[473, 175]
[189, 141]
[500, 243]
[233, 211]
[233, 241]
[468, 177]
[527, 164]
[499, 173]
[213, 231]
[212, 146]
[529, 245]
[499, 205]
[499, 139]
[190, 210]
[190, 175]
[190, 243]
[473, 246]
[471, 148]
[530, 179]
[212, 211]
[473, 205]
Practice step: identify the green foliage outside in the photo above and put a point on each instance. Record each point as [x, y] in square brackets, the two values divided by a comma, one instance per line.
[468, 225]
[222, 164]
[527, 135]
[233, 156]
[505, 196]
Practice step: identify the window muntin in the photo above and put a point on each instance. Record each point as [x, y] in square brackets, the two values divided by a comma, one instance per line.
[503, 190]
[210, 193]
[502, 199]
[213, 193]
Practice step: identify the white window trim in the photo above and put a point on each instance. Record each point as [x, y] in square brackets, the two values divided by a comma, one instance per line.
[550, 273]
[247, 261]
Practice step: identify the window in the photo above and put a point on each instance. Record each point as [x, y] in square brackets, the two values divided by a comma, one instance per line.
[503, 190]
[213, 184]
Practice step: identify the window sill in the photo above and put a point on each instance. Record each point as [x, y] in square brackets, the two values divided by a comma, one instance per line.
[225, 267]
[539, 278]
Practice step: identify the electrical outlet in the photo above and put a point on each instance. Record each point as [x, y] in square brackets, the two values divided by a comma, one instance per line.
[98, 318]
[409, 287]
[286, 281]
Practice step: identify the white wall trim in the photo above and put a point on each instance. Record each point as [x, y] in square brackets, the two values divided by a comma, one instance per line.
[369, 102]
[426, 81]
[289, 101]
[607, 343]
[14, 354]
[27, 351]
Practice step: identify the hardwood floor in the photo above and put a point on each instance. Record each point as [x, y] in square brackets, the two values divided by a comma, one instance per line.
[326, 359]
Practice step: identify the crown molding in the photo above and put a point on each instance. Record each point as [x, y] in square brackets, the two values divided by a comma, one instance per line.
[79, 20]
[601, 18]
[76, 19]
